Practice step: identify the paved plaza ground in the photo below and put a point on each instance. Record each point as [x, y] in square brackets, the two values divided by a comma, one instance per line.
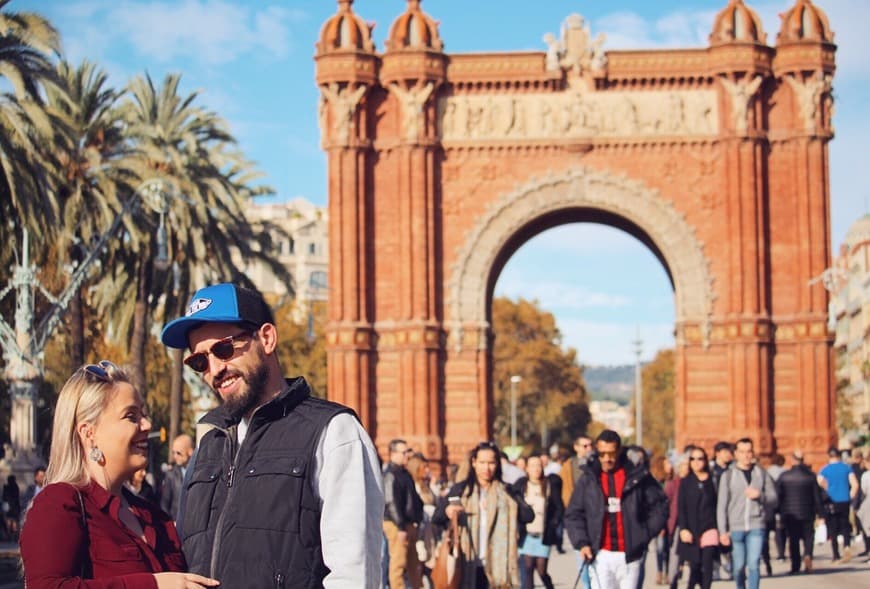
[563, 569]
[826, 575]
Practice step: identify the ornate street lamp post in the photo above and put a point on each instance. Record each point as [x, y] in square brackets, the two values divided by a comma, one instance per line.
[24, 342]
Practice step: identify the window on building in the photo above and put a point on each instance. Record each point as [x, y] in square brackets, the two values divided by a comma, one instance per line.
[312, 248]
[317, 280]
[291, 246]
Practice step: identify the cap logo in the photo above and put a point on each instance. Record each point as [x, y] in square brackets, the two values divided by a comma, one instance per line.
[197, 305]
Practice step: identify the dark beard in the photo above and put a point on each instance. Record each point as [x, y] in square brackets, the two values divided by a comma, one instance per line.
[238, 407]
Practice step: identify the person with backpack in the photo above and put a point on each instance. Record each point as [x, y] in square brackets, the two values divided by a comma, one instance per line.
[746, 495]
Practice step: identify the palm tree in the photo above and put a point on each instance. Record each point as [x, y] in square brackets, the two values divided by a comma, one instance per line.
[210, 239]
[26, 42]
[92, 167]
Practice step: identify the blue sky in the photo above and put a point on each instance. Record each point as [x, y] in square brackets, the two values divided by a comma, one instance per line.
[251, 60]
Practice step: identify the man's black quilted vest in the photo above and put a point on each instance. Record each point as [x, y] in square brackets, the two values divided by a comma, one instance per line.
[251, 519]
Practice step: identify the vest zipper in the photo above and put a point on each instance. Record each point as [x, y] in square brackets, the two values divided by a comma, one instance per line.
[232, 438]
[216, 544]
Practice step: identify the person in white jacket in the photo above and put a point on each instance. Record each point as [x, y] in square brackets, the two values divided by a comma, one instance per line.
[746, 494]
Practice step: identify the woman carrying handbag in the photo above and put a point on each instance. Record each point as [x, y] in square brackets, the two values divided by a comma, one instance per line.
[489, 515]
[696, 519]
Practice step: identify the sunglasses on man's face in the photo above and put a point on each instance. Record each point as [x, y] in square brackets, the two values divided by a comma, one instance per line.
[100, 370]
[223, 349]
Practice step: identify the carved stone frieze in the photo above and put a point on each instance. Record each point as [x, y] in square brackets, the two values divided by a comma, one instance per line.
[588, 188]
[578, 115]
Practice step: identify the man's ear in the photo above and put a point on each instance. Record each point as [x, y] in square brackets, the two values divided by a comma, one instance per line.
[269, 337]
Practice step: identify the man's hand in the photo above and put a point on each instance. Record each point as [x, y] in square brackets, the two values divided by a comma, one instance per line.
[403, 537]
[685, 536]
[725, 539]
[586, 553]
[752, 493]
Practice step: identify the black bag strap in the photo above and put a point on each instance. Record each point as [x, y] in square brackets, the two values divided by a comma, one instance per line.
[86, 571]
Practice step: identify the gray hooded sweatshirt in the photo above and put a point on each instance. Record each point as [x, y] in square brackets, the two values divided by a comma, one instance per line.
[737, 513]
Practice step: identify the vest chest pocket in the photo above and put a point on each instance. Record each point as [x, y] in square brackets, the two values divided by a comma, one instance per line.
[200, 495]
[274, 487]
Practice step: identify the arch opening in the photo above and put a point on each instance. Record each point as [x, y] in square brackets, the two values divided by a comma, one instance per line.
[580, 194]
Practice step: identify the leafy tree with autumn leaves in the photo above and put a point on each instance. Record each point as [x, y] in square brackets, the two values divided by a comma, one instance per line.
[551, 398]
[302, 342]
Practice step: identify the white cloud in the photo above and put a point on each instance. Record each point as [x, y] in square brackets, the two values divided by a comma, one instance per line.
[560, 296]
[628, 30]
[210, 32]
[600, 343]
[207, 31]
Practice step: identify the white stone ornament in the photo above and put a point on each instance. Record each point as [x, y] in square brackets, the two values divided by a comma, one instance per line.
[742, 93]
[344, 102]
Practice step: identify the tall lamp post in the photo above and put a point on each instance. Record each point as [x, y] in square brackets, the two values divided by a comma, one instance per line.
[514, 380]
[24, 342]
[638, 392]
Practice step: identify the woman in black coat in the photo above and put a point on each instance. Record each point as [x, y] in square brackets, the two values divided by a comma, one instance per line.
[543, 493]
[696, 519]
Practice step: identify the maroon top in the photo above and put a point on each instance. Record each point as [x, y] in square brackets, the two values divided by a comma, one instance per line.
[54, 541]
[608, 541]
[672, 490]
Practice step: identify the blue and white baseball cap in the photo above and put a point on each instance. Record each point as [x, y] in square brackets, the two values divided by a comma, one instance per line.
[219, 303]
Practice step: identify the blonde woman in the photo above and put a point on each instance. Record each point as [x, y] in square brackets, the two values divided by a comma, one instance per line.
[84, 527]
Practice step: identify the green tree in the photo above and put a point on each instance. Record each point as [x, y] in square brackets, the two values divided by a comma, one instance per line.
[27, 42]
[658, 402]
[551, 398]
[91, 170]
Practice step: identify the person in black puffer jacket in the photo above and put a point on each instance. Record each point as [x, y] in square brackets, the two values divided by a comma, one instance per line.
[615, 510]
[800, 501]
[544, 495]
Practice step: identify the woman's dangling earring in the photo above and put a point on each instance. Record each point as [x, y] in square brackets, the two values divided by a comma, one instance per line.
[96, 454]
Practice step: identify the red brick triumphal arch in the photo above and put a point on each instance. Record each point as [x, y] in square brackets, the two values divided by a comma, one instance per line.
[441, 165]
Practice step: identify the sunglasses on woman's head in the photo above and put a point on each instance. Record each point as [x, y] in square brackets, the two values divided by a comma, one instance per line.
[223, 349]
[100, 370]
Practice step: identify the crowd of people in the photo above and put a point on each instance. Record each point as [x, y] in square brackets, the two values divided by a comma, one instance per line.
[711, 517]
[281, 489]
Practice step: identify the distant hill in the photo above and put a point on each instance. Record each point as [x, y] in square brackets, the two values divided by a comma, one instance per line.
[610, 383]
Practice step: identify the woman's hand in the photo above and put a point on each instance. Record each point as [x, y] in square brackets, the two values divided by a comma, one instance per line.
[183, 581]
[453, 510]
[685, 536]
